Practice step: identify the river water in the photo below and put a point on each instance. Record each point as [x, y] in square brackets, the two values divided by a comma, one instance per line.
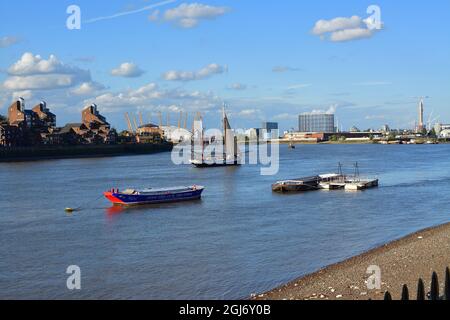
[240, 239]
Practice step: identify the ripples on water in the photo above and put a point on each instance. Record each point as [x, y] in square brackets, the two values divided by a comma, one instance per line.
[240, 239]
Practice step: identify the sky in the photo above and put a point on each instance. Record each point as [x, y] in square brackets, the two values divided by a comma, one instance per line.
[267, 60]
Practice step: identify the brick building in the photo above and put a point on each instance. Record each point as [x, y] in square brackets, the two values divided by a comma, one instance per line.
[98, 129]
[38, 127]
[43, 116]
[28, 127]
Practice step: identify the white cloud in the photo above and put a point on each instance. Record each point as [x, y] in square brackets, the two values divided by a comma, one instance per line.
[27, 95]
[35, 73]
[189, 15]
[128, 70]
[237, 86]
[343, 29]
[336, 24]
[43, 82]
[6, 42]
[351, 34]
[331, 110]
[206, 72]
[88, 88]
[151, 96]
[30, 64]
[58, 83]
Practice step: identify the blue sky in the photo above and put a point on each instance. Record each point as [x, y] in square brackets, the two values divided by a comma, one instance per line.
[269, 60]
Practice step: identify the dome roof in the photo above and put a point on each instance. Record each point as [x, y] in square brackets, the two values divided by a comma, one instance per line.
[149, 125]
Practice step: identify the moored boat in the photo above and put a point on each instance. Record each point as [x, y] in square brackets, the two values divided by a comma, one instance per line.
[297, 185]
[231, 154]
[132, 197]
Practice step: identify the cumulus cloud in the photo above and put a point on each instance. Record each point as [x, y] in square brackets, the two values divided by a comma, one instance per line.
[331, 110]
[41, 82]
[6, 42]
[27, 95]
[204, 73]
[344, 29]
[151, 96]
[336, 24]
[88, 88]
[127, 70]
[350, 34]
[237, 86]
[33, 76]
[30, 64]
[189, 15]
[35, 73]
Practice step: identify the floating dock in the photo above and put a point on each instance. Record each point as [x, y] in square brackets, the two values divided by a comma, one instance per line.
[331, 181]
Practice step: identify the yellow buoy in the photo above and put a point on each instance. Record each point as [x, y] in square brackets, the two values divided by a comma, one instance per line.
[69, 210]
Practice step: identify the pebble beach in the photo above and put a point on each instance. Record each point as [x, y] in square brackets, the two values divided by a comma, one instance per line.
[401, 262]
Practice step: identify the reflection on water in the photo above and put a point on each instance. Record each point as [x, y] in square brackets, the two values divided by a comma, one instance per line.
[239, 239]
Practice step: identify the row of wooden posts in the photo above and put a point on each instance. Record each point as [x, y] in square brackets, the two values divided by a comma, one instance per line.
[434, 293]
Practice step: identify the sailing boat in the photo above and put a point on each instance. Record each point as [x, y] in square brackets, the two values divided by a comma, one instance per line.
[231, 152]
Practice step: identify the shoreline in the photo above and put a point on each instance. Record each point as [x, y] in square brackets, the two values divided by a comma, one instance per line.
[29, 154]
[402, 261]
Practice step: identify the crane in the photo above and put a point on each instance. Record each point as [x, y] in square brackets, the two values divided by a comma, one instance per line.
[135, 124]
[141, 120]
[130, 127]
[180, 119]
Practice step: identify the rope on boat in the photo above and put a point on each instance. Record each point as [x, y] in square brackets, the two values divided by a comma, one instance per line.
[70, 210]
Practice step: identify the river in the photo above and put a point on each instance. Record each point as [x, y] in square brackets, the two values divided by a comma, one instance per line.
[238, 240]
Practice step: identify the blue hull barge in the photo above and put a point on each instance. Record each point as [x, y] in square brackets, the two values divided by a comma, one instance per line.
[133, 197]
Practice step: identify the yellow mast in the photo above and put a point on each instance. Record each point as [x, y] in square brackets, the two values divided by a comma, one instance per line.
[130, 127]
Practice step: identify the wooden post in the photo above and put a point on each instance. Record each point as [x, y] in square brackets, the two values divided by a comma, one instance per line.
[420, 291]
[447, 285]
[387, 296]
[434, 294]
[405, 293]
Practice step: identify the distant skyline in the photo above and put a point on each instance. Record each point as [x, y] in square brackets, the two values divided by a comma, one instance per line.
[269, 61]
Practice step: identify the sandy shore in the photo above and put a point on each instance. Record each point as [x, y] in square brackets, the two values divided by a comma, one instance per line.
[401, 262]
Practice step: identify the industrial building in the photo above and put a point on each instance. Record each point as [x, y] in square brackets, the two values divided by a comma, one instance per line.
[317, 122]
[270, 130]
[442, 130]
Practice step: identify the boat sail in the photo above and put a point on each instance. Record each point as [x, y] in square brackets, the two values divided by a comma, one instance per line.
[230, 154]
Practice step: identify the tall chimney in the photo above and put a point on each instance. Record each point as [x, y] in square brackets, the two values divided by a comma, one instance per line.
[421, 110]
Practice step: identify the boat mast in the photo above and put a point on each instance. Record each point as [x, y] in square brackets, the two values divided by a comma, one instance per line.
[224, 138]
